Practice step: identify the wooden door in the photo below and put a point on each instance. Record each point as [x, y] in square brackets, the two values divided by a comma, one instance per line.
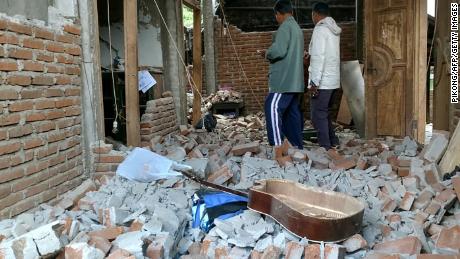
[395, 68]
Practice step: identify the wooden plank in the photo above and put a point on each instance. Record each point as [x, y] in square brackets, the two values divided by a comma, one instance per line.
[344, 115]
[441, 94]
[420, 62]
[452, 156]
[131, 81]
[194, 4]
[197, 66]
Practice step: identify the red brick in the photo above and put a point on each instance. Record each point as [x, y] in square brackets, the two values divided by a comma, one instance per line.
[72, 111]
[3, 134]
[20, 131]
[437, 256]
[110, 159]
[55, 136]
[35, 117]
[72, 70]
[9, 119]
[44, 126]
[449, 239]
[221, 176]
[408, 245]
[33, 143]
[8, 65]
[456, 184]
[20, 53]
[64, 103]
[33, 66]
[2, 52]
[43, 33]
[55, 69]
[4, 162]
[240, 150]
[72, 92]
[108, 233]
[3, 24]
[33, 43]
[45, 56]
[11, 174]
[19, 80]
[54, 92]
[55, 47]
[9, 38]
[102, 148]
[74, 50]
[54, 114]
[8, 148]
[20, 106]
[10, 200]
[31, 94]
[36, 189]
[19, 27]
[45, 104]
[47, 151]
[63, 80]
[407, 201]
[43, 80]
[8, 94]
[66, 38]
[345, 164]
[72, 28]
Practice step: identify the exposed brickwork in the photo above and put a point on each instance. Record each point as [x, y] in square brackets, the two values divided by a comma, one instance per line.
[256, 68]
[106, 160]
[159, 119]
[40, 120]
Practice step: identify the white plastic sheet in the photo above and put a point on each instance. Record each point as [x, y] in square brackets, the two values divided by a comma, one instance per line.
[142, 165]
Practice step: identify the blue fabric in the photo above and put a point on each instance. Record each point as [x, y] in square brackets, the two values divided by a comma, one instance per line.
[200, 218]
[284, 119]
[216, 199]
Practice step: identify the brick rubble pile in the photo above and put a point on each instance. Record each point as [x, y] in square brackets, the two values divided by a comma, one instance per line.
[409, 208]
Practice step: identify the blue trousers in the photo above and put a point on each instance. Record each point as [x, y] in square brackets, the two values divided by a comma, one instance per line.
[282, 113]
[320, 119]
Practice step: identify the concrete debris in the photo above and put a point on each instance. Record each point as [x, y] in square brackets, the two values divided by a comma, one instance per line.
[409, 208]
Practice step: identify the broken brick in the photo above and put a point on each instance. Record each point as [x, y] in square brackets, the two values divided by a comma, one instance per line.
[221, 176]
[407, 201]
[108, 233]
[355, 243]
[240, 150]
[100, 243]
[449, 239]
[293, 250]
[408, 245]
[345, 164]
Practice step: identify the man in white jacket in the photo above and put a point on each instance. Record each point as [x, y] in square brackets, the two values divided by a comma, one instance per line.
[324, 72]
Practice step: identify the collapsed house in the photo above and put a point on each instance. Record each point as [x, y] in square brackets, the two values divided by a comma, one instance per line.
[71, 115]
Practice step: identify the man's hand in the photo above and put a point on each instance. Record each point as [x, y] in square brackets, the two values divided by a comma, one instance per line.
[262, 52]
[306, 59]
[313, 89]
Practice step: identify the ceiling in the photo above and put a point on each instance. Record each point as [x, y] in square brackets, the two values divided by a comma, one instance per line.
[258, 15]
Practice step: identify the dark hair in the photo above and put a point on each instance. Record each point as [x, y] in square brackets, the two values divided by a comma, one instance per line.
[321, 8]
[283, 6]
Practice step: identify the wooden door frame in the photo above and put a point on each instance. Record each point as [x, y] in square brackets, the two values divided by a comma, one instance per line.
[415, 93]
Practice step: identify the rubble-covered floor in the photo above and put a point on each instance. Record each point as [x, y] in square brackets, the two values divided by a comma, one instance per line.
[408, 209]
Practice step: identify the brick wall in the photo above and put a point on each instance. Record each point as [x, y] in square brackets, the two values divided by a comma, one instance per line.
[106, 159]
[40, 121]
[159, 119]
[256, 68]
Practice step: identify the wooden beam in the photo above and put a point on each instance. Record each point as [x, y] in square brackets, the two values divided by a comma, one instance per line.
[197, 66]
[420, 68]
[441, 84]
[131, 80]
[194, 4]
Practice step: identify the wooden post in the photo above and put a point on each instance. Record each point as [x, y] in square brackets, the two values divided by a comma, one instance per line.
[131, 81]
[197, 66]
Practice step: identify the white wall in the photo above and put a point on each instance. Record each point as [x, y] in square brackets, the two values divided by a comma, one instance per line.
[149, 42]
